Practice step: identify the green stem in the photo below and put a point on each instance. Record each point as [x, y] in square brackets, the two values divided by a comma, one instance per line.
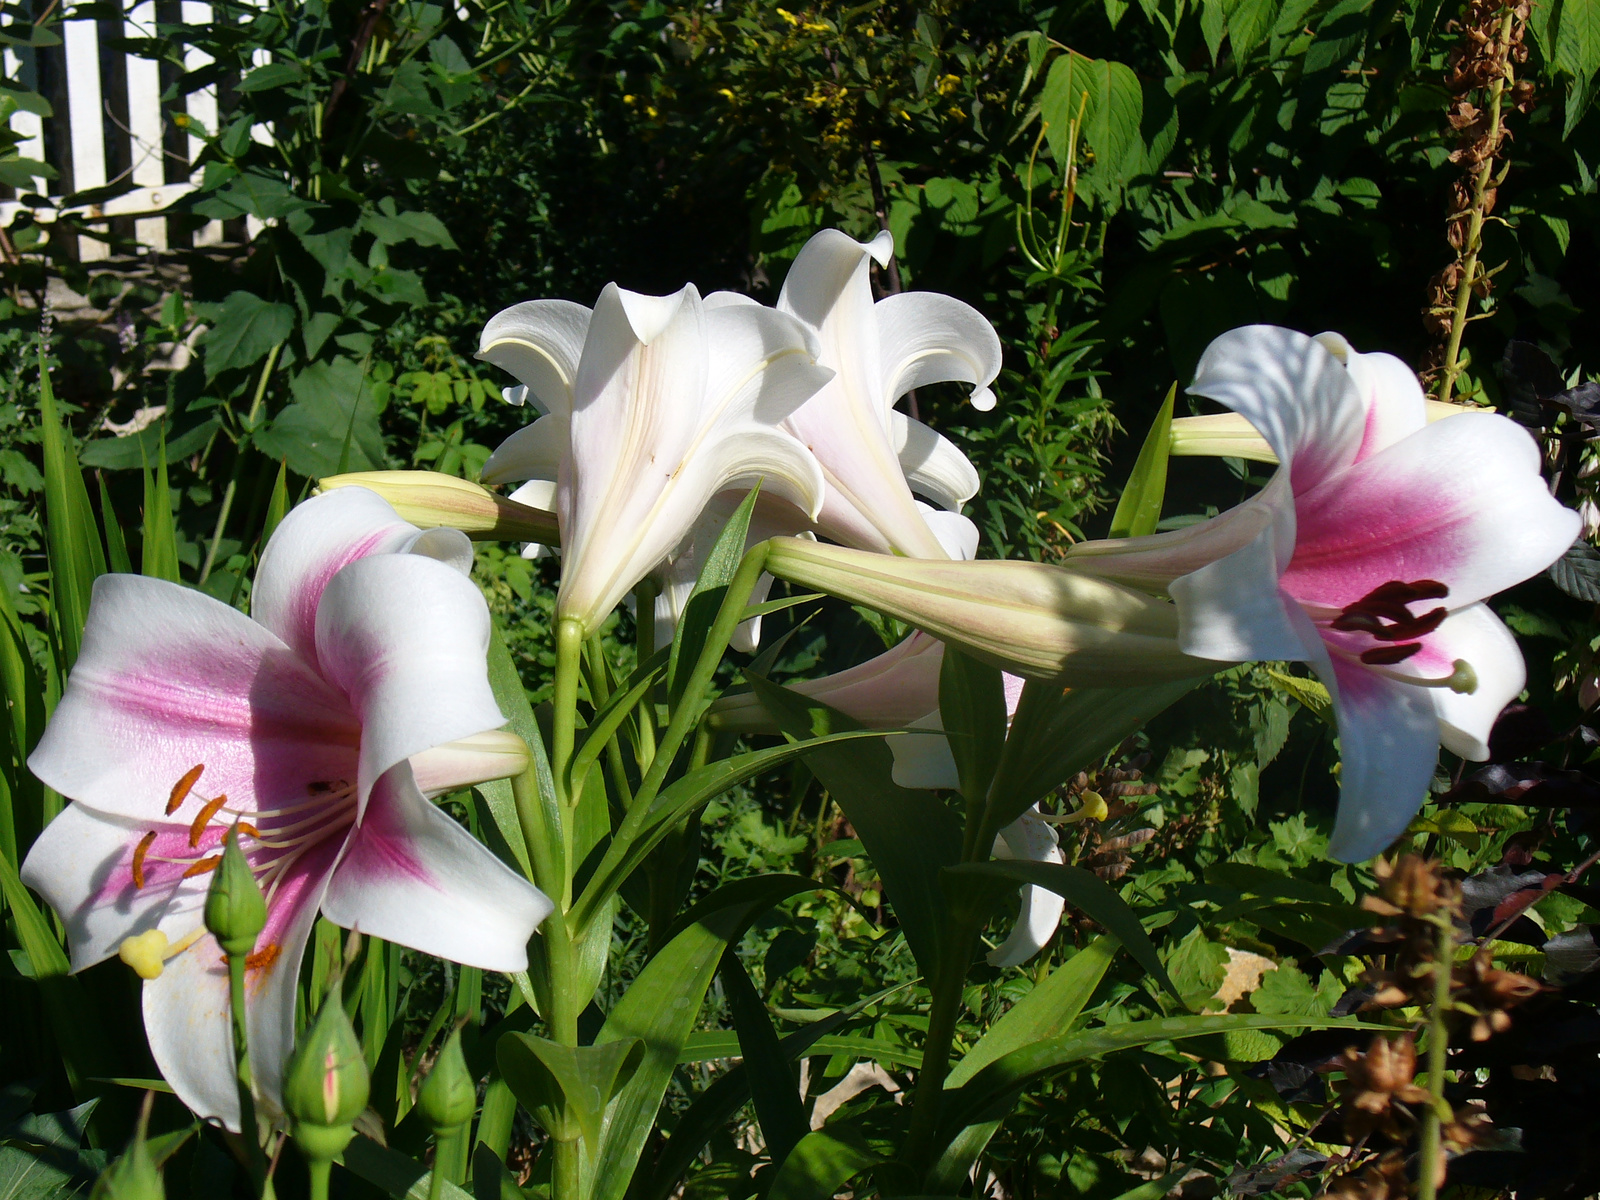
[444, 1153]
[248, 1128]
[1438, 1044]
[567, 1170]
[320, 1169]
[945, 1008]
[569, 665]
[232, 489]
[1474, 240]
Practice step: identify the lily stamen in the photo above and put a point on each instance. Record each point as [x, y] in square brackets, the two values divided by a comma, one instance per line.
[180, 790]
[202, 818]
[203, 867]
[1462, 680]
[139, 851]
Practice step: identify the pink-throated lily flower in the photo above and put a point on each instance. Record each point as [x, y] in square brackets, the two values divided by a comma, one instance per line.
[653, 404]
[316, 726]
[872, 456]
[1369, 556]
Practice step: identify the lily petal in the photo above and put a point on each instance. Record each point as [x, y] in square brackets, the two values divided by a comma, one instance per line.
[1233, 610]
[320, 537]
[1478, 637]
[927, 337]
[1389, 391]
[186, 1010]
[406, 639]
[934, 467]
[1292, 389]
[956, 533]
[923, 760]
[540, 342]
[1388, 748]
[532, 452]
[169, 678]
[413, 876]
[1460, 501]
[80, 864]
[1039, 917]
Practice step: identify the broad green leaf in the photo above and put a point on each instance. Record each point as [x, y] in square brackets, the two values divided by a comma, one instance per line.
[988, 1095]
[977, 887]
[908, 834]
[700, 610]
[567, 1088]
[774, 1088]
[243, 328]
[823, 1162]
[1139, 509]
[1112, 105]
[331, 427]
[272, 75]
[1057, 733]
[972, 709]
[1311, 693]
[183, 438]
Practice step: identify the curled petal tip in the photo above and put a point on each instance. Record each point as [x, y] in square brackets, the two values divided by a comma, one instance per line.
[517, 395]
[982, 399]
[881, 248]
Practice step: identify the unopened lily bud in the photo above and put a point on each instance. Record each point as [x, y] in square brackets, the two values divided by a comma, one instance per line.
[1028, 618]
[325, 1083]
[236, 911]
[434, 500]
[494, 754]
[448, 1095]
[1228, 435]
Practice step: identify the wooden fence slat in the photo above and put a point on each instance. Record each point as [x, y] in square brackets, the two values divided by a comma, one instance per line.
[202, 109]
[144, 122]
[86, 119]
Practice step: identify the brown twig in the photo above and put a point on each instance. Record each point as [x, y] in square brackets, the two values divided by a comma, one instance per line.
[369, 23]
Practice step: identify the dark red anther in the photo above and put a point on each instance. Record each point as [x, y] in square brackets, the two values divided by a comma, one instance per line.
[1413, 627]
[1383, 656]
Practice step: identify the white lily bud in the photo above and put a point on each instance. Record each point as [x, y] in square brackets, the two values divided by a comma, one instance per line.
[434, 500]
[1032, 619]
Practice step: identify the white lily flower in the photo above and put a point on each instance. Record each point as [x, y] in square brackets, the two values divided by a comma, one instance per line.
[1373, 510]
[872, 456]
[653, 404]
[315, 726]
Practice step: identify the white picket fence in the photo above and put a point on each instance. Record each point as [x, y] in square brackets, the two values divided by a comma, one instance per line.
[158, 175]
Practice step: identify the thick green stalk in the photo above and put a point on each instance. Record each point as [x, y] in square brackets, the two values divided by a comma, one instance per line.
[320, 1170]
[1474, 241]
[1438, 1043]
[443, 1151]
[248, 1128]
[944, 1010]
[569, 665]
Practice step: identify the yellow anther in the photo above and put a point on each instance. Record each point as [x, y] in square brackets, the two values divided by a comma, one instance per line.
[180, 790]
[139, 851]
[197, 828]
[203, 866]
[145, 952]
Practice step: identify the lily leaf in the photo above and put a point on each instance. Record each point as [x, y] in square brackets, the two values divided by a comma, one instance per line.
[567, 1088]
[1139, 509]
[972, 708]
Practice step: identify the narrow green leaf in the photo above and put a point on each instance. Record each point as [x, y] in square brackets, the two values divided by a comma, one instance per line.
[700, 610]
[718, 1104]
[159, 558]
[116, 545]
[972, 709]
[660, 1009]
[988, 1094]
[696, 789]
[567, 1088]
[278, 504]
[393, 1173]
[823, 1162]
[1057, 733]
[1139, 509]
[1047, 1011]
[908, 834]
[979, 886]
[71, 538]
[773, 1086]
[608, 718]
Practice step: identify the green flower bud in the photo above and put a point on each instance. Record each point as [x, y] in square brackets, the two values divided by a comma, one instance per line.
[448, 1095]
[236, 911]
[325, 1083]
[132, 1177]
